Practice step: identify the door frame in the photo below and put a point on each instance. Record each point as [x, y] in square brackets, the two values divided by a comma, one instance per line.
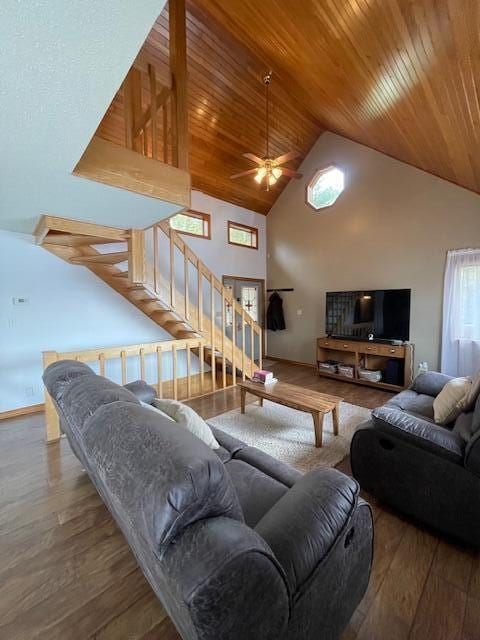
[263, 297]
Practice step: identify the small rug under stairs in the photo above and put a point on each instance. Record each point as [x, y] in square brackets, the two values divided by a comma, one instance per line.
[287, 434]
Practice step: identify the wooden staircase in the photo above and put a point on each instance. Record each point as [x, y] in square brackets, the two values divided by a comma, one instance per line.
[157, 272]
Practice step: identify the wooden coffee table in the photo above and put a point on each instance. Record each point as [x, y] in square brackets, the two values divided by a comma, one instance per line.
[318, 404]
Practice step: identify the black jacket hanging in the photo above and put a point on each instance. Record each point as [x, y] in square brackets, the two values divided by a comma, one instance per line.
[275, 318]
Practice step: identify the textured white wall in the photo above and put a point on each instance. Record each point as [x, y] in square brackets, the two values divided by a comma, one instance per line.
[62, 63]
[68, 308]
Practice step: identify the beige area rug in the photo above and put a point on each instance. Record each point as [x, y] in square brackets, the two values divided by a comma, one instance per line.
[287, 434]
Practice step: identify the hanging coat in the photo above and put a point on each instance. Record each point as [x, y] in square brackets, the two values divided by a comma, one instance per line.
[275, 318]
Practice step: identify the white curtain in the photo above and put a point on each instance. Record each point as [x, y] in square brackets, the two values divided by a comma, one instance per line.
[461, 313]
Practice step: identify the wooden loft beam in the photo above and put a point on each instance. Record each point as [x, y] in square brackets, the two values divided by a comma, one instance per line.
[161, 98]
[178, 65]
[49, 223]
[116, 166]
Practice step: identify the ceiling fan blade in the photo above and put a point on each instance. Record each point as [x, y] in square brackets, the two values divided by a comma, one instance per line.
[290, 173]
[253, 158]
[286, 157]
[243, 173]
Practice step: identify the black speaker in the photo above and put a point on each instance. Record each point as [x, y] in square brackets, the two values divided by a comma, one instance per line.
[394, 372]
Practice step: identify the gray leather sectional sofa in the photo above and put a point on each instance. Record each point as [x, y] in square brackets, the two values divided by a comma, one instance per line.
[426, 470]
[235, 544]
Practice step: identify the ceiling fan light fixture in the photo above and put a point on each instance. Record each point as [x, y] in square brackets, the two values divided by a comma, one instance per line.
[271, 180]
[277, 172]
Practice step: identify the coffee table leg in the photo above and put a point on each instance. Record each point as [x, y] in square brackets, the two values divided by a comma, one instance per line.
[260, 400]
[318, 426]
[335, 413]
[243, 394]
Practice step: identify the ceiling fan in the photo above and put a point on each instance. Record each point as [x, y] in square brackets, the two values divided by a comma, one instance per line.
[269, 169]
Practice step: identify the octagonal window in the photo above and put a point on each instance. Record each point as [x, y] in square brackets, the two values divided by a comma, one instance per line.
[325, 187]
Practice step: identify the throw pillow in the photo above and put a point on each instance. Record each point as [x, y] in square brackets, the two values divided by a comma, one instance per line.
[156, 410]
[449, 403]
[188, 418]
[473, 394]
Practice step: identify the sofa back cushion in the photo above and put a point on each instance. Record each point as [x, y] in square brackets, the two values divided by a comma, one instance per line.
[156, 474]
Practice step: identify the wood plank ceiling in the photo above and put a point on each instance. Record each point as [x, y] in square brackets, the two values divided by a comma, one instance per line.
[226, 111]
[400, 76]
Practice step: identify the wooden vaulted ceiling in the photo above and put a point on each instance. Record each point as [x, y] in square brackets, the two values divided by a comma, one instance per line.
[400, 76]
[226, 111]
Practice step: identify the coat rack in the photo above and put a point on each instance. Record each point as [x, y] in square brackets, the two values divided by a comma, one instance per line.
[271, 290]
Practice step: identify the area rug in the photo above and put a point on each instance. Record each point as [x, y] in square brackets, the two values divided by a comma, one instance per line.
[287, 434]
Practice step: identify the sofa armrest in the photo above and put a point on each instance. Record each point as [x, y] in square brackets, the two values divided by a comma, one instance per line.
[305, 523]
[143, 391]
[420, 433]
[430, 383]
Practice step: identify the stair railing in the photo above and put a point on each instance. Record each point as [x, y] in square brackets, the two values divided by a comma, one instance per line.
[168, 366]
[163, 262]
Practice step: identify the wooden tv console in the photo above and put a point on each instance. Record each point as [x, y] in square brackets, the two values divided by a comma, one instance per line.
[371, 355]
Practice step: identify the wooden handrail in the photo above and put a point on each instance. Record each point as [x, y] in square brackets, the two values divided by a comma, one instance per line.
[188, 386]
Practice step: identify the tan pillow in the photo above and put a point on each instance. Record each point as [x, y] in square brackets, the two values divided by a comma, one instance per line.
[188, 418]
[449, 403]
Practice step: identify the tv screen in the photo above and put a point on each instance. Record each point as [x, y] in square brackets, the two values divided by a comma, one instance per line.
[384, 313]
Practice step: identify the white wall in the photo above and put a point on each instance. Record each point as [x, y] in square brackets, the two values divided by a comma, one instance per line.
[391, 228]
[219, 256]
[68, 308]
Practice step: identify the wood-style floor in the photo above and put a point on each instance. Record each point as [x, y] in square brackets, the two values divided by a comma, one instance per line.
[66, 572]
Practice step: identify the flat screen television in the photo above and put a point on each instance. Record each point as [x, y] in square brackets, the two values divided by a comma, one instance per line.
[382, 313]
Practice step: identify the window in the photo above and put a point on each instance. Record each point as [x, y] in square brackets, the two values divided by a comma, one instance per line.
[192, 223]
[461, 313]
[325, 187]
[242, 235]
[250, 301]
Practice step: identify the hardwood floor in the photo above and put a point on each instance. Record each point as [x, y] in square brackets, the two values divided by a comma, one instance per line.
[66, 572]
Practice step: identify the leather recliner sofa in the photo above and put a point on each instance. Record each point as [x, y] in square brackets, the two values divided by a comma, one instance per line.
[235, 544]
[428, 471]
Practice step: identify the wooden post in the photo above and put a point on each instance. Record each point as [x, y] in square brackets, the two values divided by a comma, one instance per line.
[212, 329]
[132, 98]
[136, 256]
[224, 362]
[172, 270]
[178, 66]
[153, 109]
[52, 422]
[159, 372]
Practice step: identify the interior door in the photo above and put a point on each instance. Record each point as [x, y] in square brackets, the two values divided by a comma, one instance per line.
[250, 295]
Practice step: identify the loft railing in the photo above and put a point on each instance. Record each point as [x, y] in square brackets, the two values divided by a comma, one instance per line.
[155, 102]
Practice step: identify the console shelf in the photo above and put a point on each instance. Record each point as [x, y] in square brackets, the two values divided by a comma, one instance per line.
[372, 355]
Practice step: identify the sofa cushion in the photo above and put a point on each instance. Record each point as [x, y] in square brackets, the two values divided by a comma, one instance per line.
[430, 383]
[257, 492]
[58, 375]
[159, 476]
[424, 434]
[419, 404]
[452, 400]
[143, 391]
[83, 396]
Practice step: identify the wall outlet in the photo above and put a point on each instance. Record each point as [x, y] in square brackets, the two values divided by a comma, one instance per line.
[29, 392]
[299, 312]
[19, 301]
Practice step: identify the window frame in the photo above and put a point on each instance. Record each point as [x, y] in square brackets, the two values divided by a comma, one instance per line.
[314, 177]
[205, 217]
[242, 227]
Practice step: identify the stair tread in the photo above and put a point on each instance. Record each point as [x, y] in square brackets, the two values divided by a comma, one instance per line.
[102, 258]
[77, 240]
